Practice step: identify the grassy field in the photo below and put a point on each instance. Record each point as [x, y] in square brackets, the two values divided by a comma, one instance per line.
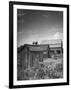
[48, 69]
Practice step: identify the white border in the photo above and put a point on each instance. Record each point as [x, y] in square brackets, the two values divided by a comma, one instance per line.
[27, 82]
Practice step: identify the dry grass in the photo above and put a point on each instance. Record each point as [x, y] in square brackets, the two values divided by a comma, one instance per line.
[49, 69]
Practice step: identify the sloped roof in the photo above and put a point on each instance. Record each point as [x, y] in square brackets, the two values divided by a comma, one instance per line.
[54, 45]
[43, 47]
[40, 47]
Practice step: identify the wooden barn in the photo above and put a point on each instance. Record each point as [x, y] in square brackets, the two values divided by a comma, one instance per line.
[32, 55]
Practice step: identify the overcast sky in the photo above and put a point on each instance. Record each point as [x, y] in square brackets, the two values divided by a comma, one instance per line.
[35, 25]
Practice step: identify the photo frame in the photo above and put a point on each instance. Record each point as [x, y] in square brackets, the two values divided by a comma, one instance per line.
[38, 44]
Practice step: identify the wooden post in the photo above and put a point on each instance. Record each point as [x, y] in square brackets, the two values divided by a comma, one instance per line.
[61, 47]
[48, 52]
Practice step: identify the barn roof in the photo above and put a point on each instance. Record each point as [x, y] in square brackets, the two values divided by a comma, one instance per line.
[39, 47]
[42, 47]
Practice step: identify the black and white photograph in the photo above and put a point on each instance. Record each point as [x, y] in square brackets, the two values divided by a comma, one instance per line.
[39, 44]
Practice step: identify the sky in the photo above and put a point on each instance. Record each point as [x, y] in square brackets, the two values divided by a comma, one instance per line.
[36, 25]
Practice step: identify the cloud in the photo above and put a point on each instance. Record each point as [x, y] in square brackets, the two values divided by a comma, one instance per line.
[56, 38]
[58, 35]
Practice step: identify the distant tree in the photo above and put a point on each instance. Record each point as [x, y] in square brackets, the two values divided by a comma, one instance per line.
[35, 43]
